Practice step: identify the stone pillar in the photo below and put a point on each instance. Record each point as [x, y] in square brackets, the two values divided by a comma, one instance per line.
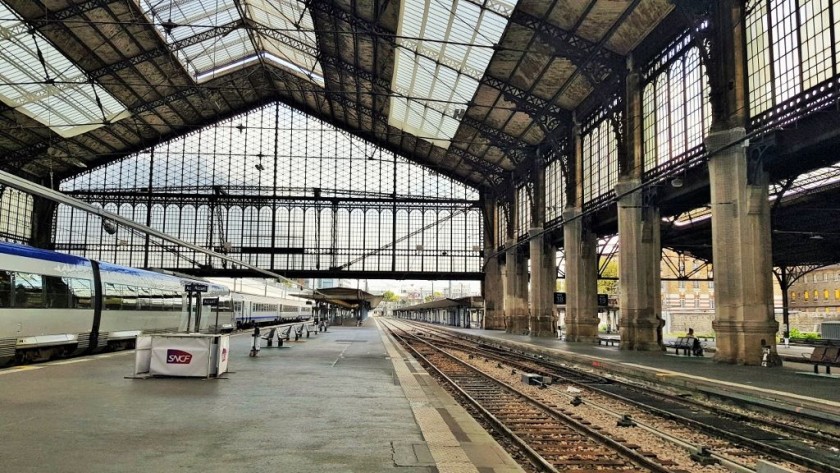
[580, 246]
[516, 289]
[492, 287]
[639, 273]
[742, 252]
[543, 282]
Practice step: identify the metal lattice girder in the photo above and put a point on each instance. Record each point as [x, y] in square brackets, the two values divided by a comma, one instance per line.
[165, 50]
[514, 148]
[530, 104]
[276, 35]
[596, 62]
[333, 61]
[491, 170]
[72, 10]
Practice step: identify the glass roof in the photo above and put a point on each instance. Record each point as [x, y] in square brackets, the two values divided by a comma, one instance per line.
[444, 49]
[54, 92]
[284, 34]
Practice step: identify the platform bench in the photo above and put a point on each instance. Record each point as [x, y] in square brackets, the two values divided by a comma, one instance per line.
[299, 331]
[311, 328]
[609, 341]
[683, 343]
[825, 356]
[269, 337]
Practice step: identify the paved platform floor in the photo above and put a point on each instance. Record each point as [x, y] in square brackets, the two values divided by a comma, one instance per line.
[344, 401]
[791, 383]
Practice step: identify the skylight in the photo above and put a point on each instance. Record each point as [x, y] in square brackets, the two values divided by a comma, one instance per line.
[283, 32]
[54, 92]
[444, 49]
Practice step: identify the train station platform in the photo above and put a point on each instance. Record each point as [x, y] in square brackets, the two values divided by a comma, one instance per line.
[791, 386]
[349, 400]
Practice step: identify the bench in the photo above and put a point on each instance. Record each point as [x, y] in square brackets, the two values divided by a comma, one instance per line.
[311, 328]
[825, 356]
[609, 341]
[269, 337]
[686, 344]
[281, 333]
[299, 331]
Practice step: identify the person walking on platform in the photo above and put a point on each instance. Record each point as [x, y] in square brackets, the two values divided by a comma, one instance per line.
[255, 347]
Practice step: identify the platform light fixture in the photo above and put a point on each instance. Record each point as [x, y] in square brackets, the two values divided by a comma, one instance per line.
[676, 182]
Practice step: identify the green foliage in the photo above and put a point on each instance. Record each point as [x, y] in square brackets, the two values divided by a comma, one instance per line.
[389, 296]
[609, 286]
[795, 333]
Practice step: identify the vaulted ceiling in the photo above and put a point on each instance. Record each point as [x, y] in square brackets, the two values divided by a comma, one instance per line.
[469, 88]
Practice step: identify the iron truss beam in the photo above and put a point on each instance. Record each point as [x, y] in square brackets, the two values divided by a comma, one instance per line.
[513, 147]
[72, 10]
[596, 62]
[493, 171]
[138, 196]
[530, 104]
[165, 50]
[332, 273]
[351, 69]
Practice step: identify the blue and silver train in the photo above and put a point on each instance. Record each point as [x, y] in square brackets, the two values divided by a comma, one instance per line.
[56, 305]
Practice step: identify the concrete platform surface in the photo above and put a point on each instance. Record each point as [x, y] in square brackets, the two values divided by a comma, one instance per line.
[344, 401]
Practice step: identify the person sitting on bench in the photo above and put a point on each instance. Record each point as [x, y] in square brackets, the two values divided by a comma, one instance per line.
[696, 348]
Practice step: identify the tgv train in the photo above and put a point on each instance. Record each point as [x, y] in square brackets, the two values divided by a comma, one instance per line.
[54, 305]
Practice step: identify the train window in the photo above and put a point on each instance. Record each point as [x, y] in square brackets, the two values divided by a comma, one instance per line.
[81, 292]
[237, 307]
[145, 297]
[57, 292]
[29, 290]
[5, 289]
[174, 301]
[113, 296]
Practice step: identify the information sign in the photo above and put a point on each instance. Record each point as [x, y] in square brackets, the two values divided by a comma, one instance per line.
[559, 298]
[195, 287]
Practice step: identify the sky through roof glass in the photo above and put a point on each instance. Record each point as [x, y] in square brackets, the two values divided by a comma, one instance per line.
[436, 75]
[283, 30]
[54, 92]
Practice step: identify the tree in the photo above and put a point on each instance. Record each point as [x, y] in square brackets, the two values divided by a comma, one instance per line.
[609, 286]
[389, 296]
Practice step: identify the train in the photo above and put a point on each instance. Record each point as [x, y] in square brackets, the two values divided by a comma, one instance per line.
[55, 305]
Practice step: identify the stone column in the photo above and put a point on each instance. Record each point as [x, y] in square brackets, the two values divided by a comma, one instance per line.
[492, 287]
[580, 246]
[516, 289]
[742, 252]
[543, 282]
[639, 273]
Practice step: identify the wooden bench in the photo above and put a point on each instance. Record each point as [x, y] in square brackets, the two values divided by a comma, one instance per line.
[609, 341]
[825, 356]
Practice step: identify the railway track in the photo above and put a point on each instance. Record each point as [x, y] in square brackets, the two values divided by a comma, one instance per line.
[732, 440]
[553, 441]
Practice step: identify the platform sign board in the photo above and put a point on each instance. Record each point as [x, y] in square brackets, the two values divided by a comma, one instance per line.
[211, 301]
[195, 287]
[602, 300]
[180, 356]
[559, 298]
